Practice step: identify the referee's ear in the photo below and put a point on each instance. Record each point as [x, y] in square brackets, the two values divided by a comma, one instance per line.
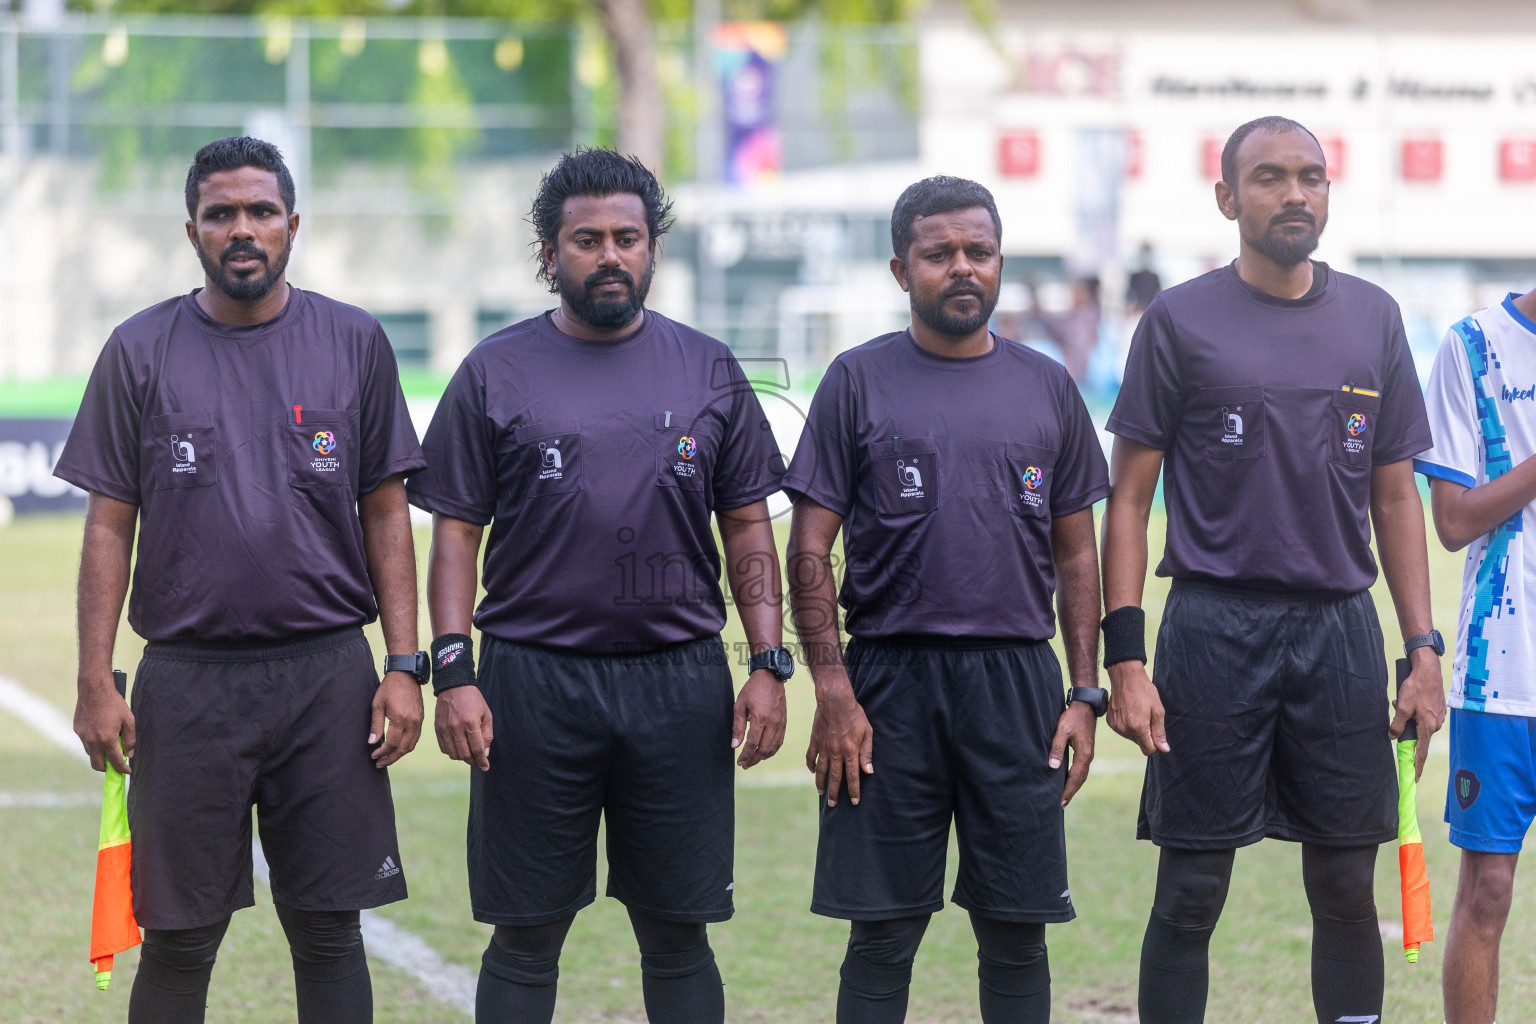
[1226, 200]
[899, 272]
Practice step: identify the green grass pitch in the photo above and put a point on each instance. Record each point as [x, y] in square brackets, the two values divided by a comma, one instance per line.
[779, 962]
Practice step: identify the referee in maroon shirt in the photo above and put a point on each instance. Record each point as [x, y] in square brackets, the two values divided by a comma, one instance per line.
[257, 436]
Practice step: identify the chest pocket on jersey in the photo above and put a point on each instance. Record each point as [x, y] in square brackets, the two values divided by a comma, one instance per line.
[1352, 426]
[544, 458]
[1231, 420]
[685, 450]
[320, 449]
[183, 452]
[904, 473]
[1031, 473]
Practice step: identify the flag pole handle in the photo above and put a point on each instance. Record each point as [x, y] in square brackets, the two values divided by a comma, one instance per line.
[120, 680]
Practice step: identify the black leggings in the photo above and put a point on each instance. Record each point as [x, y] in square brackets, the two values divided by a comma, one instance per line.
[330, 970]
[1347, 963]
[521, 967]
[1013, 972]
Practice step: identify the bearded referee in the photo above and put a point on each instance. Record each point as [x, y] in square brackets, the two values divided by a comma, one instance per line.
[598, 441]
[1278, 400]
[256, 435]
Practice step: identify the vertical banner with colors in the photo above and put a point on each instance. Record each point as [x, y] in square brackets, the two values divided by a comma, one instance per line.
[745, 55]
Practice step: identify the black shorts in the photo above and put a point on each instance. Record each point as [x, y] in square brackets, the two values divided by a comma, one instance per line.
[1277, 722]
[962, 734]
[282, 726]
[642, 740]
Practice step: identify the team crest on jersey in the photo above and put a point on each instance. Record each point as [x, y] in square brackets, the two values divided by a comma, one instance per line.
[687, 446]
[325, 442]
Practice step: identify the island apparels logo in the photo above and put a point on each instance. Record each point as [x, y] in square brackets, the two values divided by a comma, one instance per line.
[911, 477]
[185, 455]
[551, 463]
[1232, 426]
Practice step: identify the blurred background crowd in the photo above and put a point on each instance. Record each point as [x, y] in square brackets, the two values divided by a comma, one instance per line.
[785, 129]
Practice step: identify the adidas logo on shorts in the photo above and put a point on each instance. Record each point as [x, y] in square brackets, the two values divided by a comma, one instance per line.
[386, 870]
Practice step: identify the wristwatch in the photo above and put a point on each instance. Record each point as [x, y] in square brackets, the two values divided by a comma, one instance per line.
[777, 660]
[418, 665]
[1430, 639]
[1096, 697]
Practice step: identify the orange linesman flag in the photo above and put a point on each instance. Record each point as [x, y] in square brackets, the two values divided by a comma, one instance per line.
[1418, 928]
[113, 928]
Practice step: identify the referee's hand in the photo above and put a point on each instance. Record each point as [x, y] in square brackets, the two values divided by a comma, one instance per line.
[463, 725]
[1136, 708]
[1074, 731]
[842, 743]
[104, 725]
[1421, 698]
[761, 706]
[397, 702]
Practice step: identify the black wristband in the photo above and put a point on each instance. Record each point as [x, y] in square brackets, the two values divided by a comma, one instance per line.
[1125, 635]
[453, 662]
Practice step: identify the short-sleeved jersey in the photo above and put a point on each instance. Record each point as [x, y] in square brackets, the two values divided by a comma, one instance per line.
[948, 473]
[1482, 409]
[597, 465]
[1271, 414]
[245, 449]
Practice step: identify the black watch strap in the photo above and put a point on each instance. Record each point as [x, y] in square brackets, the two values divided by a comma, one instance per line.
[418, 665]
[1430, 639]
[1095, 697]
[777, 660]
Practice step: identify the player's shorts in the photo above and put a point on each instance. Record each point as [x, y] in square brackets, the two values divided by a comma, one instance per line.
[642, 741]
[1277, 716]
[963, 735]
[1491, 799]
[282, 726]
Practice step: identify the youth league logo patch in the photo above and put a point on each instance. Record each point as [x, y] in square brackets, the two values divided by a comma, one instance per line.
[185, 454]
[687, 448]
[1355, 428]
[324, 443]
[1033, 478]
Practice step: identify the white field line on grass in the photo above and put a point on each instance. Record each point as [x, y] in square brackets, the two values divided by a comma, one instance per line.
[48, 800]
[446, 982]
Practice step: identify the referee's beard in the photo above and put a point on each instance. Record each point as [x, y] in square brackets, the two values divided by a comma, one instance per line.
[253, 284]
[605, 313]
[1288, 248]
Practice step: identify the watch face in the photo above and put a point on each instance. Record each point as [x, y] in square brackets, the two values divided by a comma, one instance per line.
[783, 663]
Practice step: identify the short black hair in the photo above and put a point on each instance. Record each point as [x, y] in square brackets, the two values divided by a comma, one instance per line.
[596, 173]
[231, 154]
[939, 194]
[1271, 125]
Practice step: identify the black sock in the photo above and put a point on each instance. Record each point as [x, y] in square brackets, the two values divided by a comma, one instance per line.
[330, 967]
[877, 970]
[174, 967]
[678, 973]
[518, 974]
[1348, 965]
[1013, 971]
[1175, 965]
